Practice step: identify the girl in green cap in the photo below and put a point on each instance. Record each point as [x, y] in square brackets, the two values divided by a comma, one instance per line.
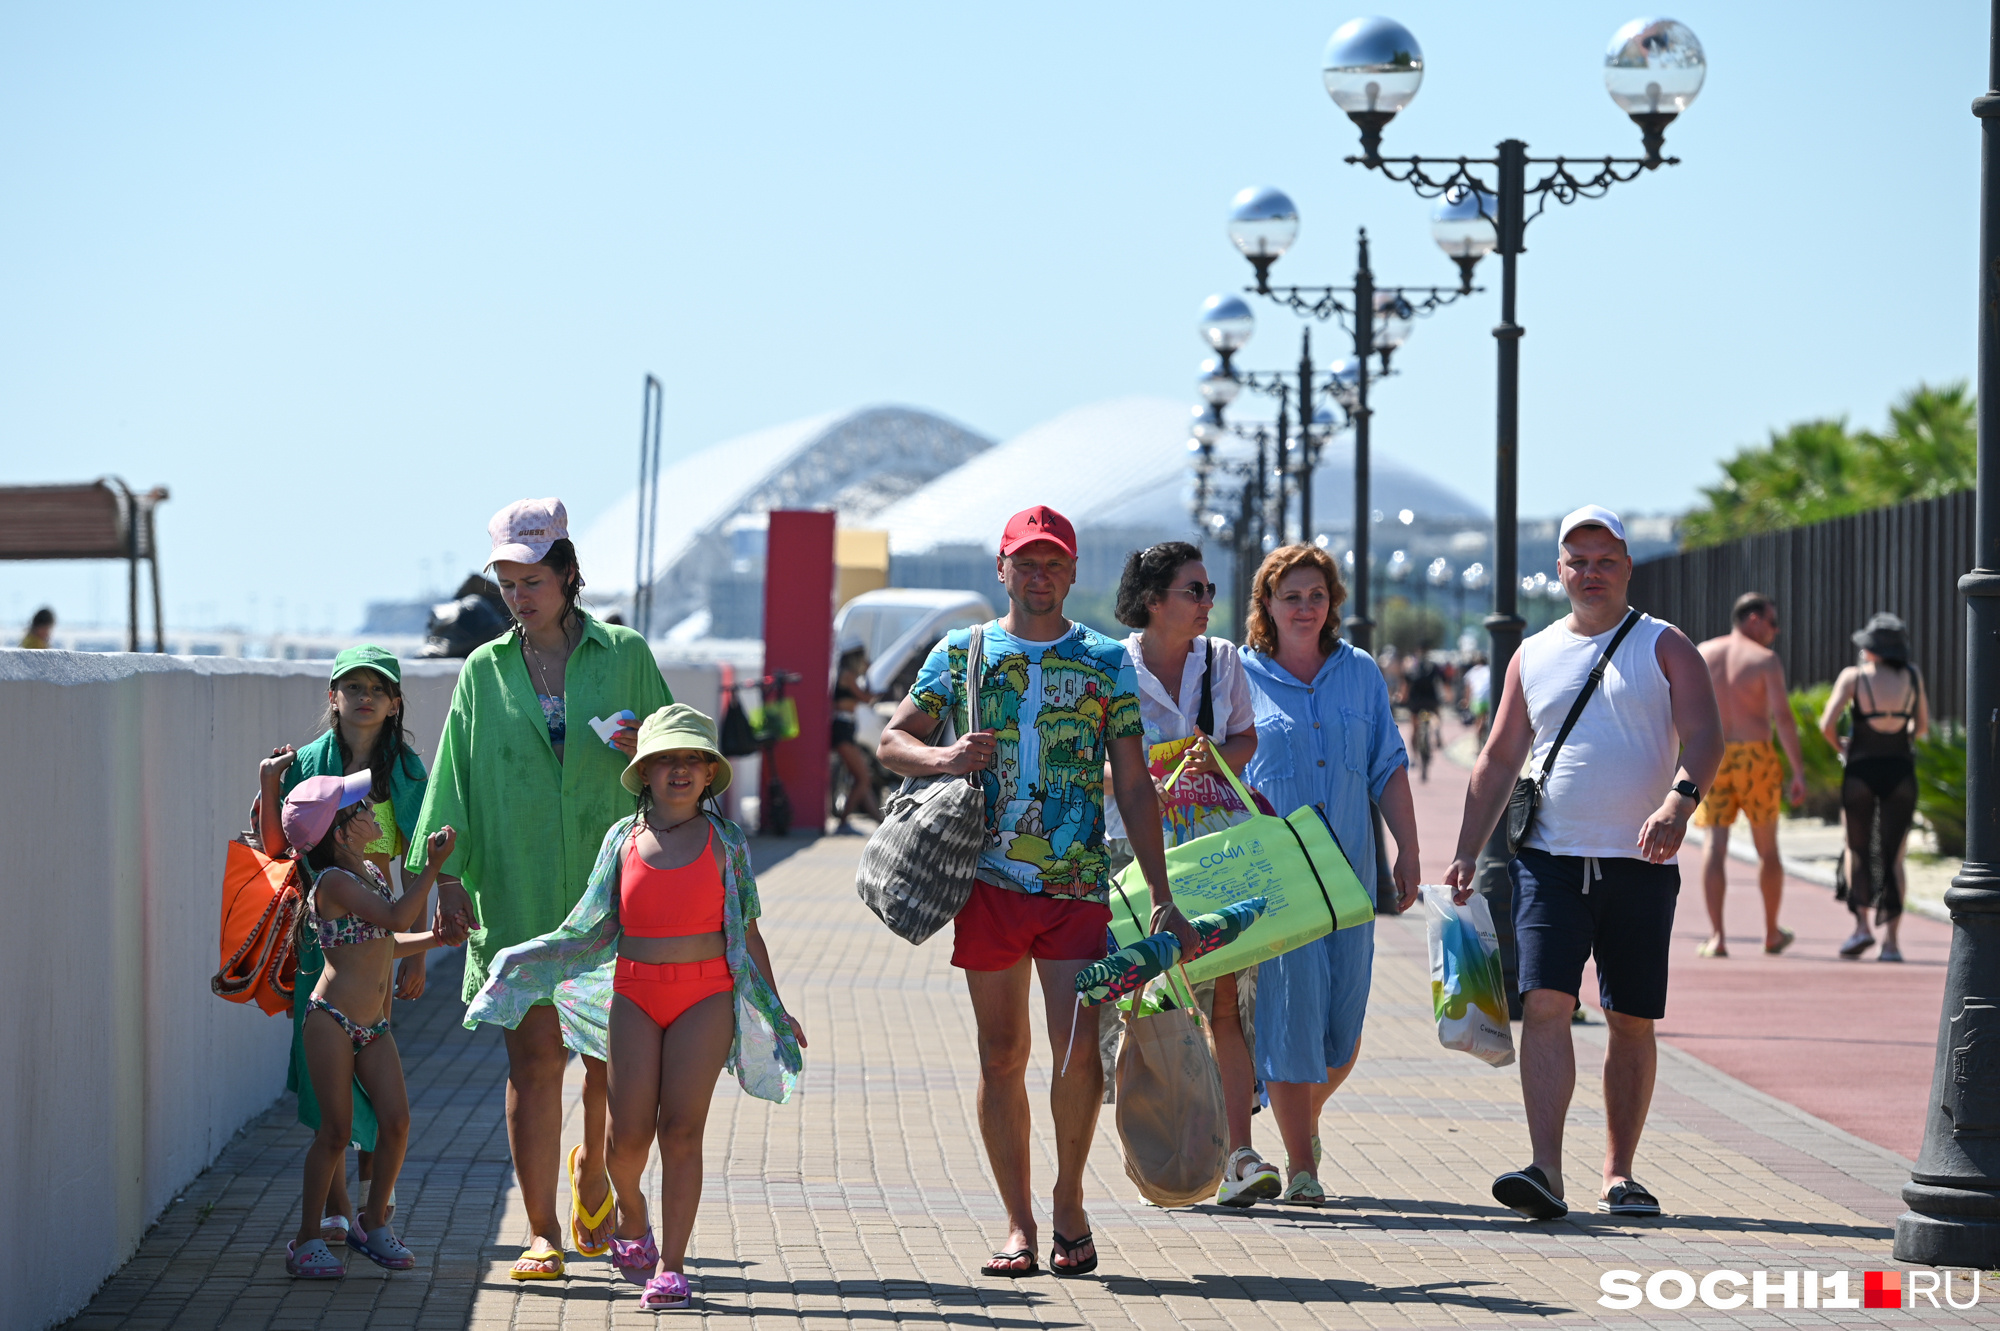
[661, 967]
[531, 791]
[364, 731]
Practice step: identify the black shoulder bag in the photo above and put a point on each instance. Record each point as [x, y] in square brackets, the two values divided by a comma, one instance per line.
[1526, 800]
[1205, 716]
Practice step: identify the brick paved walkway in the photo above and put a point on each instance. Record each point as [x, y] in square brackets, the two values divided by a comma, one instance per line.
[866, 1201]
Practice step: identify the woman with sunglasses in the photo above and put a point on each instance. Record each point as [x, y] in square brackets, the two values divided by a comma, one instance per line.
[1192, 687]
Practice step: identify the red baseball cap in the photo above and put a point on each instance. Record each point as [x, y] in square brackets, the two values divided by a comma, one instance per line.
[1040, 523]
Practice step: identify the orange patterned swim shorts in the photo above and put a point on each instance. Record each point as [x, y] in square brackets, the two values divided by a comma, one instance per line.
[1749, 779]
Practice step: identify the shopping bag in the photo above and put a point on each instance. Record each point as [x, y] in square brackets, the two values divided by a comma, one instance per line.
[1170, 1117]
[1295, 864]
[261, 904]
[1468, 993]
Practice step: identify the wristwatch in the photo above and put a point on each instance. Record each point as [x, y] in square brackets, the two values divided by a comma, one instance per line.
[1689, 789]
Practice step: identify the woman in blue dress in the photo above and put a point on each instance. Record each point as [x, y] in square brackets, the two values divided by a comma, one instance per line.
[1326, 738]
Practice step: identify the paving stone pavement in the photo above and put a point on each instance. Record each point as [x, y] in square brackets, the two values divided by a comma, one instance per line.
[866, 1200]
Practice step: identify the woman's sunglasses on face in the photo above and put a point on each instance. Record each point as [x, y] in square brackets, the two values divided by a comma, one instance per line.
[1201, 593]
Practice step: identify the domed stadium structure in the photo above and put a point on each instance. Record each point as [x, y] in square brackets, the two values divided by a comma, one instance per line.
[709, 555]
[1119, 471]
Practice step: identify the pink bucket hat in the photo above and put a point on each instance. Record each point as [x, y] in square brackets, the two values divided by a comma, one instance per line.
[310, 808]
[523, 531]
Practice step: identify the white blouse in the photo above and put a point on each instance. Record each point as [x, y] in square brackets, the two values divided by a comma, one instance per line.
[1169, 718]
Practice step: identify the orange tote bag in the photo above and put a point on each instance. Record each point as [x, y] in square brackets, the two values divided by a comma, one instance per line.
[261, 903]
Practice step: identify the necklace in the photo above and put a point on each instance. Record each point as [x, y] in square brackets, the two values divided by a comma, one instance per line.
[535, 661]
[658, 831]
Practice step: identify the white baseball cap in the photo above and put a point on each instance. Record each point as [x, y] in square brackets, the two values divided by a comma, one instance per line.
[523, 531]
[1591, 515]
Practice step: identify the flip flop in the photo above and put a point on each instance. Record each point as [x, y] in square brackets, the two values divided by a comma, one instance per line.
[516, 1273]
[1629, 1198]
[1303, 1190]
[992, 1267]
[1067, 1248]
[1527, 1191]
[1785, 939]
[581, 1220]
[635, 1258]
[1711, 948]
[665, 1293]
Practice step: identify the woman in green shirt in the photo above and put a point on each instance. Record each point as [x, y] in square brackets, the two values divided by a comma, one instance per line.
[532, 793]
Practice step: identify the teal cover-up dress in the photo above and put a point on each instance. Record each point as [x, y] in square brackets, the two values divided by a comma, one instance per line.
[573, 966]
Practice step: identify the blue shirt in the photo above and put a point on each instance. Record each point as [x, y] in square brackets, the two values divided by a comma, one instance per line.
[1054, 707]
[1332, 743]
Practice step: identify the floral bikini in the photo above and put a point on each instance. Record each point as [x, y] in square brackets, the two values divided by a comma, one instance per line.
[345, 932]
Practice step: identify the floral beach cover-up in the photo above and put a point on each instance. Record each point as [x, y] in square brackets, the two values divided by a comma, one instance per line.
[574, 963]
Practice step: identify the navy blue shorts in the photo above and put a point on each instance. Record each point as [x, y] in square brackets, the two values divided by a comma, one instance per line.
[1625, 919]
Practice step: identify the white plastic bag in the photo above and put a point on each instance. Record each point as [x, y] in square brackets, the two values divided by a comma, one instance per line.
[1468, 992]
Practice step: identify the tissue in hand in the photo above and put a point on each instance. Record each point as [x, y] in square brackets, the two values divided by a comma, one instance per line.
[607, 726]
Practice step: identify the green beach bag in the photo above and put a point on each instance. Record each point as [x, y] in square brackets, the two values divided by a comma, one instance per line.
[1294, 863]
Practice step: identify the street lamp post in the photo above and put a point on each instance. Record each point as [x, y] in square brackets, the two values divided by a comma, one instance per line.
[1373, 68]
[1263, 222]
[1954, 1192]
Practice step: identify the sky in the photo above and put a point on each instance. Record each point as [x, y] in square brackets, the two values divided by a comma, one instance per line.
[347, 279]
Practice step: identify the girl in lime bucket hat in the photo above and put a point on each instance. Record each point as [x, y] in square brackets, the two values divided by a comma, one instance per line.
[661, 964]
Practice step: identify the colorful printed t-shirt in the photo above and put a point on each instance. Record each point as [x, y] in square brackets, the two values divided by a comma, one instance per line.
[1054, 707]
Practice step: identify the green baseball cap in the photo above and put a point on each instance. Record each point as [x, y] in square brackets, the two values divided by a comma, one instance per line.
[368, 657]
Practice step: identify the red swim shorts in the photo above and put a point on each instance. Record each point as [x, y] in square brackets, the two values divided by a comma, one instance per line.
[663, 992]
[998, 928]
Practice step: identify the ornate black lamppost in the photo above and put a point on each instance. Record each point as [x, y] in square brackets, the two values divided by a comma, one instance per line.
[1954, 1192]
[1263, 222]
[1373, 68]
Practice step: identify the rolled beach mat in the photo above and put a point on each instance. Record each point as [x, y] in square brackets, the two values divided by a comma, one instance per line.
[1130, 967]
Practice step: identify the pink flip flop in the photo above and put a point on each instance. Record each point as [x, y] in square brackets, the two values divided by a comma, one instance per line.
[635, 1258]
[666, 1292]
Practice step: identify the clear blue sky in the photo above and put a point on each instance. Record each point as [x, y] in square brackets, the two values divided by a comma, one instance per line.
[347, 278]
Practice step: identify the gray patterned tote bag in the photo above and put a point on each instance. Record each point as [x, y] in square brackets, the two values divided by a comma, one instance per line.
[916, 870]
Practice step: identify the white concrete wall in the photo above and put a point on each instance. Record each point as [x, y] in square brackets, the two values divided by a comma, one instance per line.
[122, 1076]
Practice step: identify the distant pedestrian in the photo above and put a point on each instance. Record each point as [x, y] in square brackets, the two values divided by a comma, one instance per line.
[1327, 738]
[1596, 877]
[1749, 682]
[1057, 701]
[850, 693]
[532, 791]
[39, 629]
[1192, 685]
[1888, 711]
[1478, 686]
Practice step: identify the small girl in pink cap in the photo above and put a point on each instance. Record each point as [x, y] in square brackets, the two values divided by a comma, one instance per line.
[346, 1033]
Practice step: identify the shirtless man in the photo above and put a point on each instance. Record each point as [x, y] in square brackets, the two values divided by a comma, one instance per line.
[1750, 688]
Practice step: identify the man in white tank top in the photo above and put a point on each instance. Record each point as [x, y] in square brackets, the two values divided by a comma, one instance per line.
[1596, 876]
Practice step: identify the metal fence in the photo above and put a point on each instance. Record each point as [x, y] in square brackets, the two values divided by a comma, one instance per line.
[1828, 579]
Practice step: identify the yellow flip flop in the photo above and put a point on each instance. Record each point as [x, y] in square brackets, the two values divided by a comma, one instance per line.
[516, 1273]
[581, 1220]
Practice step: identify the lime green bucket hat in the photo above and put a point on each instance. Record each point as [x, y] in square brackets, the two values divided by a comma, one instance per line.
[676, 726]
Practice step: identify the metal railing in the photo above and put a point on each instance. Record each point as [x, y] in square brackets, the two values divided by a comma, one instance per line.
[1827, 579]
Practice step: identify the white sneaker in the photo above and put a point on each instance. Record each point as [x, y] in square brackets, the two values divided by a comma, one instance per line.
[1247, 1178]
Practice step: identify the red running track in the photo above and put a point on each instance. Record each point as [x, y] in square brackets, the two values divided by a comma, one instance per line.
[1851, 1042]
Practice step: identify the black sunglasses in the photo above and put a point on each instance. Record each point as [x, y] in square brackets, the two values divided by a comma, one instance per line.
[1201, 593]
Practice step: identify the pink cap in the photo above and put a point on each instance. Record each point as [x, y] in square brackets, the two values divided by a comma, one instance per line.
[310, 808]
[1040, 523]
[523, 531]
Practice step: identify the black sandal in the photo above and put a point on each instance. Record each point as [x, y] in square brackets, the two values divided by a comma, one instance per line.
[1629, 1198]
[1011, 1272]
[1527, 1191]
[1068, 1248]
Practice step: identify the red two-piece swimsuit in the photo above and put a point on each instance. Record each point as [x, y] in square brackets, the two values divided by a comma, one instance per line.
[670, 903]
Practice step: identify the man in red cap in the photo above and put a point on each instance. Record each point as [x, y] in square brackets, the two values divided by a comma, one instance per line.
[1057, 702]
